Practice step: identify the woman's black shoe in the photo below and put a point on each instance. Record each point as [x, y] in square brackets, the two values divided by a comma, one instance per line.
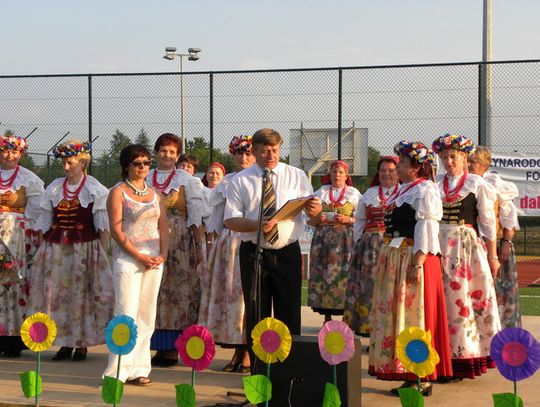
[80, 354]
[408, 383]
[63, 354]
[231, 367]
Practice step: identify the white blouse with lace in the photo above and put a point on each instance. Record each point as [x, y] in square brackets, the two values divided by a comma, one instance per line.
[217, 201]
[193, 187]
[485, 200]
[369, 198]
[506, 193]
[33, 186]
[424, 198]
[92, 191]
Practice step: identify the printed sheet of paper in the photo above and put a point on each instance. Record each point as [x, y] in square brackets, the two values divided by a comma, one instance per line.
[291, 209]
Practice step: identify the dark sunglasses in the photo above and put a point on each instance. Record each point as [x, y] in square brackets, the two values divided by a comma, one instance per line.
[140, 164]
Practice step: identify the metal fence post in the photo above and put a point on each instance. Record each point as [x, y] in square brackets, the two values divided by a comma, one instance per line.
[211, 117]
[340, 109]
[480, 109]
[90, 138]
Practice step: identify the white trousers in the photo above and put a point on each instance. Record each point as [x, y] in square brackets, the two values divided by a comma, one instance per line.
[136, 296]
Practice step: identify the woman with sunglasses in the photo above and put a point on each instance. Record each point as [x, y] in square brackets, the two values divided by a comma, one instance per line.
[180, 292]
[140, 244]
[71, 276]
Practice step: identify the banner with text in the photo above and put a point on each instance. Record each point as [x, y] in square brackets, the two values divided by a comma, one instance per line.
[524, 171]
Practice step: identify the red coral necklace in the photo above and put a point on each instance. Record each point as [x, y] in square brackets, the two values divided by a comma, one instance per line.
[68, 195]
[7, 183]
[451, 196]
[161, 187]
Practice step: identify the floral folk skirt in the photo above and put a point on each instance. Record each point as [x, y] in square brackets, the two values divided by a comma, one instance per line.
[398, 305]
[180, 292]
[72, 283]
[507, 290]
[222, 303]
[471, 303]
[330, 256]
[359, 291]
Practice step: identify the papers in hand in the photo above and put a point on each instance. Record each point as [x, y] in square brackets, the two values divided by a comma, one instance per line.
[292, 208]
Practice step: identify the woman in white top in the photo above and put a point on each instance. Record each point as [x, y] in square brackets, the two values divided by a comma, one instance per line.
[140, 245]
[71, 275]
[222, 303]
[180, 293]
[506, 281]
[332, 243]
[469, 258]
[20, 194]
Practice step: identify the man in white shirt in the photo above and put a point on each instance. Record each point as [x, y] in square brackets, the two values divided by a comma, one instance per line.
[281, 261]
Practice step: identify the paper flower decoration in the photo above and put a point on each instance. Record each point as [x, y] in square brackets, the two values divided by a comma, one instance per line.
[415, 353]
[196, 347]
[121, 335]
[271, 340]
[38, 332]
[336, 342]
[516, 353]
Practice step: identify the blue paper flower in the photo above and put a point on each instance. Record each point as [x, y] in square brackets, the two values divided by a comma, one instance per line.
[121, 335]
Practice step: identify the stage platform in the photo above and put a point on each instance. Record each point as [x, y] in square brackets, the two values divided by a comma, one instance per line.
[69, 383]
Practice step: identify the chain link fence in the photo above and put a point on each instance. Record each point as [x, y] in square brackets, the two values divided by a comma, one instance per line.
[371, 107]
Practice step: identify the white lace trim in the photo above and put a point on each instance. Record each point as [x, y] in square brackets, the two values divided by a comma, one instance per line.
[416, 192]
[25, 178]
[352, 195]
[92, 191]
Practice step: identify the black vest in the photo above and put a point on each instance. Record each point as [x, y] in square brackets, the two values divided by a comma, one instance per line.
[461, 212]
[400, 221]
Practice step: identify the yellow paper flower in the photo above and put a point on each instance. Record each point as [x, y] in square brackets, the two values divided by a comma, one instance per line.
[415, 353]
[271, 340]
[38, 332]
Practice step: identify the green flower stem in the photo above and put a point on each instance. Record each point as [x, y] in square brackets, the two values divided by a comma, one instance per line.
[193, 378]
[334, 371]
[418, 383]
[268, 377]
[117, 375]
[38, 365]
[515, 394]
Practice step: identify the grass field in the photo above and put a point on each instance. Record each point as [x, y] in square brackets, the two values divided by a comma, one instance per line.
[529, 299]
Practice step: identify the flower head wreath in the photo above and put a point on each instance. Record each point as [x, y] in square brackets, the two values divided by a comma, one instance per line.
[72, 149]
[415, 150]
[10, 142]
[240, 144]
[454, 142]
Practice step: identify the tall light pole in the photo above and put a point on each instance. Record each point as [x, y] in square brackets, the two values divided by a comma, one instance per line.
[486, 92]
[192, 55]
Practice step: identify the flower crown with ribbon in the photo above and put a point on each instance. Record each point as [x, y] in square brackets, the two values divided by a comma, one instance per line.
[453, 141]
[72, 149]
[415, 150]
[240, 144]
[13, 143]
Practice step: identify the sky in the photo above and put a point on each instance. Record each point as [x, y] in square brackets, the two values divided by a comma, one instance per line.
[61, 36]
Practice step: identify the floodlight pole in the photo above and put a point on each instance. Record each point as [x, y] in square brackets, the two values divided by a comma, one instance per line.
[485, 80]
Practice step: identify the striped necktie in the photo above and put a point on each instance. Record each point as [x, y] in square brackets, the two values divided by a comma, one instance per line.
[269, 208]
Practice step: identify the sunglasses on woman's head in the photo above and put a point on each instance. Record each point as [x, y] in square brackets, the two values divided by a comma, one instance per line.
[140, 164]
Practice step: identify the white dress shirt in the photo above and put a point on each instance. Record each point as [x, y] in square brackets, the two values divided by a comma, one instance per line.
[244, 197]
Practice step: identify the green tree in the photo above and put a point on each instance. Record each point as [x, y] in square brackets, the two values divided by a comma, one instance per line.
[106, 168]
[200, 148]
[362, 183]
[142, 138]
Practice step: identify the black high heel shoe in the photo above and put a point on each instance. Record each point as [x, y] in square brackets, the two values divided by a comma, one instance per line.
[408, 383]
[63, 353]
[231, 367]
[80, 354]
[426, 388]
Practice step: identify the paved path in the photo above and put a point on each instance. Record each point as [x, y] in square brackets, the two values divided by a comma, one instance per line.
[71, 383]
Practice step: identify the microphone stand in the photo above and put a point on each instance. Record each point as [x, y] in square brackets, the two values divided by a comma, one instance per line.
[255, 292]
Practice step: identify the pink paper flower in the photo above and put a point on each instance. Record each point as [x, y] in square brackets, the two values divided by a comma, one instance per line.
[196, 347]
[336, 342]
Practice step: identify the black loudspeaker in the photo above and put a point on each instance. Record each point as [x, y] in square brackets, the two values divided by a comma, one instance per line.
[302, 376]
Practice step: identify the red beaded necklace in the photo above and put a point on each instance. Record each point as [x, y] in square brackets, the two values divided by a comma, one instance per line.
[331, 196]
[7, 183]
[68, 195]
[451, 196]
[383, 199]
[163, 186]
